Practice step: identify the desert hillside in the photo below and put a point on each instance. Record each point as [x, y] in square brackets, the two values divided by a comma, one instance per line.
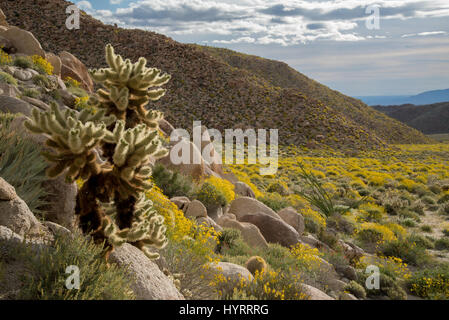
[430, 119]
[221, 95]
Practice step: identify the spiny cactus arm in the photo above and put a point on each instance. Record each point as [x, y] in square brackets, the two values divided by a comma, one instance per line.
[73, 136]
[147, 228]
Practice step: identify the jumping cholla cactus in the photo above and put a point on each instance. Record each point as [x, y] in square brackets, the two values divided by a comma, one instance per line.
[111, 204]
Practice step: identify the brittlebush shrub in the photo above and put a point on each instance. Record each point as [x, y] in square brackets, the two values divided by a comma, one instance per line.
[432, 283]
[409, 251]
[210, 196]
[269, 285]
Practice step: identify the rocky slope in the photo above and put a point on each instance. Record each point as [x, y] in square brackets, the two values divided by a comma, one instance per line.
[206, 88]
[430, 119]
[281, 75]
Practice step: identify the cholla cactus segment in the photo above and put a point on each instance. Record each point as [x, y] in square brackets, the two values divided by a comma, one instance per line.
[147, 229]
[128, 86]
[133, 150]
[73, 135]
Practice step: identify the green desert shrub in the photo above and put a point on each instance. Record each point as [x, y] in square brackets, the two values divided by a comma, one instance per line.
[23, 62]
[410, 252]
[356, 289]
[210, 196]
[442, 244]
[274, 201]
[9, 79]
[426, 228]
[42, 81]
[181, 259]
[388, 286]
[430, 283]
[31, 92]
[278, 187]
[172, 183]
[444, 209]
[444, 198]
[227, 238]
[22, 166]
[428, 200]
[421, 241]
[46, 276]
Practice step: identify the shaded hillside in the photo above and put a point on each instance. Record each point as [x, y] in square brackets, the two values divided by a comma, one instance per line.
[206, 88]
[430, 119]
[281, 75]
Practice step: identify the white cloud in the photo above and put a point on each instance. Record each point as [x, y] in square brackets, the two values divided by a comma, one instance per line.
[424, 34]
[284, 22]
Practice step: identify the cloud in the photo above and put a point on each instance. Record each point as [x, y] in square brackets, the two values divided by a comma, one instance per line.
[424, 34]
[284, 22]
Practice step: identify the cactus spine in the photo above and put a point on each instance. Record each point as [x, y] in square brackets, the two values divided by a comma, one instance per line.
[111, 204]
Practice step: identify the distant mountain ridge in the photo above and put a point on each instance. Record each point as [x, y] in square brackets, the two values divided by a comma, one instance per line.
[250, 92]
[428, 97]
[430, 119]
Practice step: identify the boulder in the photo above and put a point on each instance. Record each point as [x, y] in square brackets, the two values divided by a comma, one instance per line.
[245, 205]
[210, 155]
[8, 90]
[189, 167]
[336, 285]
[347, 296]
[351, 251]
[209, 222]
[7, 191]
[3, 21]
[181, 202]
[61, 201]
[244, 190]
[274, 230]
[315, 294]
[14, 212]
[347, 272]
[293, 218]
[12, 105]
[55, 61]
[315, 243]
[24, 41]
[250, 233]
[37, 103]
[231, 271]
[74, 68]
[196, 209]
[22, 75]
[150, 282]
[166, 127]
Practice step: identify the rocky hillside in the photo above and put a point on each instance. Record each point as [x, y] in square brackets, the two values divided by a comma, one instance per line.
[281, 75]
[430, 119]
[207, 88]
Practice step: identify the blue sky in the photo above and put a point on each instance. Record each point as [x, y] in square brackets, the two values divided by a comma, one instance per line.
[327, 40]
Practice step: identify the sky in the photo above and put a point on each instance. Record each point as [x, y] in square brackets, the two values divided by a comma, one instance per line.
[358, 47]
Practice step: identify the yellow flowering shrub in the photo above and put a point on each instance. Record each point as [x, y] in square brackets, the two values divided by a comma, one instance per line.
[179, 228]
[269, 285]
[224, 186]
[72, 82]
[4, 58]
[42, 64]
[306, 256]
[375, 229]
[431, 284]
